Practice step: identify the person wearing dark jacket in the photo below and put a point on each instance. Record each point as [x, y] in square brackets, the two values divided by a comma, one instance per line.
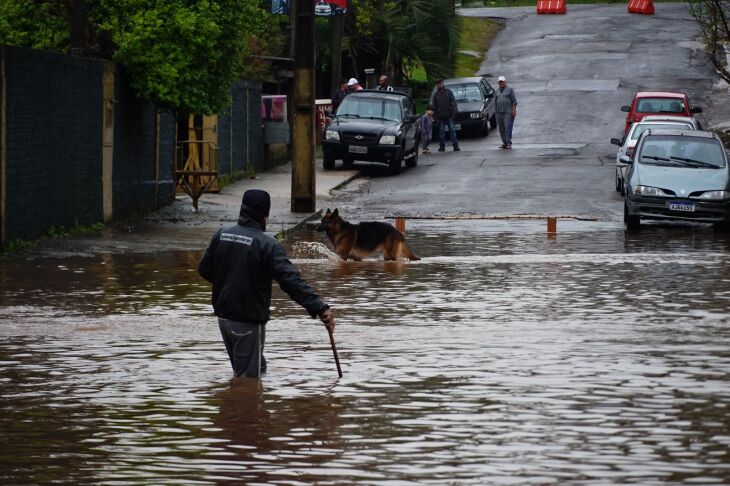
[445, 108]
[339, 94]
[241, 262]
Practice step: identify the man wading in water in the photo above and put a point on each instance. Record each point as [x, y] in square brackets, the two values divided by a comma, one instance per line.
[241, 262]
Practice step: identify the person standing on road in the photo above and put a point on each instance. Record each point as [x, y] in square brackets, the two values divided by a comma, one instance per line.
[241, 262]
[445, 108]
[384, 84]
[427, 129]
[505, 108]
[339, 94]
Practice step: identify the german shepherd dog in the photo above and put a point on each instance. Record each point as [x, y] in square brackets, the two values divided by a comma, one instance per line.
[357, 241]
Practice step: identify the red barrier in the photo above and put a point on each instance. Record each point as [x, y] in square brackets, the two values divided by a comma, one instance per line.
[551, 7]
[645, 7]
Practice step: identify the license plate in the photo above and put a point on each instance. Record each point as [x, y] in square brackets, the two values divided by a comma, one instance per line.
[681, 206]
[457, 126]
[356, 149]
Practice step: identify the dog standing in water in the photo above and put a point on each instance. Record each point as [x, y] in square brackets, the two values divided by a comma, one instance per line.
[357, 241]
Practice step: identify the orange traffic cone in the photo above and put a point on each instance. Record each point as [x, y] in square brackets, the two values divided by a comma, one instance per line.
[645, 7]
[551, 7]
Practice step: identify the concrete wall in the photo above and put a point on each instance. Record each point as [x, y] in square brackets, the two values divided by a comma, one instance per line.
[51, 130]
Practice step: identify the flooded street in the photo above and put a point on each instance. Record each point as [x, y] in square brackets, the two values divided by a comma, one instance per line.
[502, 357]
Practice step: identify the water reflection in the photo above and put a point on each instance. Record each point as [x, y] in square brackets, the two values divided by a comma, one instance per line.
[499, 358]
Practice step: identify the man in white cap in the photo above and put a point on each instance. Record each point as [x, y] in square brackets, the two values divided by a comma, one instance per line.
[505, 109]
[353, 85]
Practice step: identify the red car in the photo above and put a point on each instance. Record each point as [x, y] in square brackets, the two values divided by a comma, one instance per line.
[657, 103]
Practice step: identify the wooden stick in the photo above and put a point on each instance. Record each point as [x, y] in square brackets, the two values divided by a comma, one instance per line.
[334, 350]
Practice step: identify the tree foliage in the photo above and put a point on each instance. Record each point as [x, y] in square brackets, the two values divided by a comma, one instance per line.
[713, 19]
[398, 34]
[182, 54]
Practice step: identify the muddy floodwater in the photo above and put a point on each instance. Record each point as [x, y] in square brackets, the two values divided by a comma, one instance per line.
[502, 357]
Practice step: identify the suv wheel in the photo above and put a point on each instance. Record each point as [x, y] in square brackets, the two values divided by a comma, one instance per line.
[328, 163]
[632, 222]
[395, 163]
[413, 161]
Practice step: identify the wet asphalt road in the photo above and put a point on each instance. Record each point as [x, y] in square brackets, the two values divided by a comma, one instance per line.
[571, 74]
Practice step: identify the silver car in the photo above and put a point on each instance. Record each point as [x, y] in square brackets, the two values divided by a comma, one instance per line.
[680, 175]
[627, 144]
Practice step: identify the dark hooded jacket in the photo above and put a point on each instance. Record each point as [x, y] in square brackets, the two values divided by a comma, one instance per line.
[241, 262]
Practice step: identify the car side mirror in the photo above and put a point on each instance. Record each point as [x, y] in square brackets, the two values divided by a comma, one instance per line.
[624, 159]
[697, 109]
[490, 95]
[411, 118]
[329, 113]
[626, 109]
[616, 141]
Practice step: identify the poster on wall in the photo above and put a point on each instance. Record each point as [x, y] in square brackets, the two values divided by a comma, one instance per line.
[327, 8]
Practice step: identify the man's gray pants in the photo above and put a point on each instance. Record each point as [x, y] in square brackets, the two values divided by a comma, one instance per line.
[504, 120]
[245, 345]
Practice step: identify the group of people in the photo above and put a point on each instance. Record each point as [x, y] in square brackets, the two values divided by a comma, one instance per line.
[351, 85]
[443, 108]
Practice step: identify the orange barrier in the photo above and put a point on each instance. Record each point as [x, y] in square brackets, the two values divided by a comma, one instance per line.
[551, 7]
[645, 7]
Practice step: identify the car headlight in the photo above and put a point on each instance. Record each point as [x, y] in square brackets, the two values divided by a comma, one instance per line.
[648, 191]
[332, 135]
[715, 195]
[387, 140]
[475, 115]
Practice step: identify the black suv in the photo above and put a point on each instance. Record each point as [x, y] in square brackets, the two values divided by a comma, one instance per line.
[375, 126]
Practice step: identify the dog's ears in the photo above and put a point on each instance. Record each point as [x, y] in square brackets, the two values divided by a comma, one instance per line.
[328, 212]
[334, 214]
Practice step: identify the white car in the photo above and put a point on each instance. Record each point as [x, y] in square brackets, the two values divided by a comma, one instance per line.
[627, 144]
[323, 8]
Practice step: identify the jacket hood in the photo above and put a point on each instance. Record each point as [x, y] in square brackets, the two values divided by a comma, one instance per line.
[248, 217]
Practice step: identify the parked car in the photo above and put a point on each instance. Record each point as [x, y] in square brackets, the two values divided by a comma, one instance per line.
[627, 144]
[322, 8]
[657, 102]
[475, 102]
[374, 126]
[677, 175]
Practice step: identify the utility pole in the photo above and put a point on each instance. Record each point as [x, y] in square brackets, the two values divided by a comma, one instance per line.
[303, 182]
[338, 29]
[78, 24]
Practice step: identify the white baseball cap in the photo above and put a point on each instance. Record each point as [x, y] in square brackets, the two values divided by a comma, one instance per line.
[501, 78]
[352, 82]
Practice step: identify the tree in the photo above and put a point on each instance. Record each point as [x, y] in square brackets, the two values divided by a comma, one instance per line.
[397, 34]
[181, 54]
[712, 17]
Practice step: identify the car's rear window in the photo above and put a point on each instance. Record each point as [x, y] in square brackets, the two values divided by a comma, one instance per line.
[675, 150]
[642, 127]
[466, 91]
[660, 105]
[366, 107]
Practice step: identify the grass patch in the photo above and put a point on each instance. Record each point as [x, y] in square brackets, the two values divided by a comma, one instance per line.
[227, 179]
[52, 232]
[476, 35]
